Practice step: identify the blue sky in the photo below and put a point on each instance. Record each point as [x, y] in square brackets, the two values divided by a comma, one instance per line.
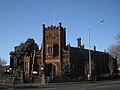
[22, 19]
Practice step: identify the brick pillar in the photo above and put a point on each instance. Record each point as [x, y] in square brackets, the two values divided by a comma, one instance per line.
[43, 55]
[60, 50]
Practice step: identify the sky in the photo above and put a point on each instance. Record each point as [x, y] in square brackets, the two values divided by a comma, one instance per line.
[23, 19]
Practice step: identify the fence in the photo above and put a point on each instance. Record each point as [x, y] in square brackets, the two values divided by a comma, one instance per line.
[8, 80]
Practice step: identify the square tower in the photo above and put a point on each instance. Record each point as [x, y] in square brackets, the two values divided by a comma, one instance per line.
[53, 40]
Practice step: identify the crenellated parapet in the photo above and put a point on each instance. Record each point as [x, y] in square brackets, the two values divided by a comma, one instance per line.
[54, 27]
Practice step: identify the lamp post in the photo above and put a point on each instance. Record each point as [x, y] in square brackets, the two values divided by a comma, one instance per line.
[90, 70]
[43, 75]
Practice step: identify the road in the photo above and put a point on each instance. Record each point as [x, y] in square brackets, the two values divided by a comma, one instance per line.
[114, 85]
[107, 85]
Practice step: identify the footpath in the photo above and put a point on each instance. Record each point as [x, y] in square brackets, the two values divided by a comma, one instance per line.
[23, 85]
[47, 85]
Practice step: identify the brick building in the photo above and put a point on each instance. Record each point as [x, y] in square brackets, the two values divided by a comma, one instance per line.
[55, 53]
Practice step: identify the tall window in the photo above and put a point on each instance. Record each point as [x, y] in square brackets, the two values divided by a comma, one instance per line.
[50, 50]
[27, 66]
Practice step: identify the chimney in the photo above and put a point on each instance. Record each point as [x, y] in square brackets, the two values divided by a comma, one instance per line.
[79, 42]
[60, 24]
[83, 46]
[94, 48]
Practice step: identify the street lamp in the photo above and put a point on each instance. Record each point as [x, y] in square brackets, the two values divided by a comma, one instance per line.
[43, 75]
[89, 74]
[34, 73]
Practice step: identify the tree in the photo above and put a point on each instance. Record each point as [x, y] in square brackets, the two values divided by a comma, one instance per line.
[66, 72]
[118, 38]
[111, 65]
[114, 50]
[2, 65]
[26, 48]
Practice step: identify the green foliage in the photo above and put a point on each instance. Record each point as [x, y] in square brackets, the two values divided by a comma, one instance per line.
[25, 48]
[66, 72]
[14, 74]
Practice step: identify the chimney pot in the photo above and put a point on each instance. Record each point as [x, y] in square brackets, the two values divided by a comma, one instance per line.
[79, 42]
[94, 48]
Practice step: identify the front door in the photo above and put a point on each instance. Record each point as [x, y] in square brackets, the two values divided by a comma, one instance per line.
[50, 70]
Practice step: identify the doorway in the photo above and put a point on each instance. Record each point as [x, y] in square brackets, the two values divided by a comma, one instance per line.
[50, 70]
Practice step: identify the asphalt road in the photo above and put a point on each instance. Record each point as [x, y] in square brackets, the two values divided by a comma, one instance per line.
[107, 85]
[112, 85]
